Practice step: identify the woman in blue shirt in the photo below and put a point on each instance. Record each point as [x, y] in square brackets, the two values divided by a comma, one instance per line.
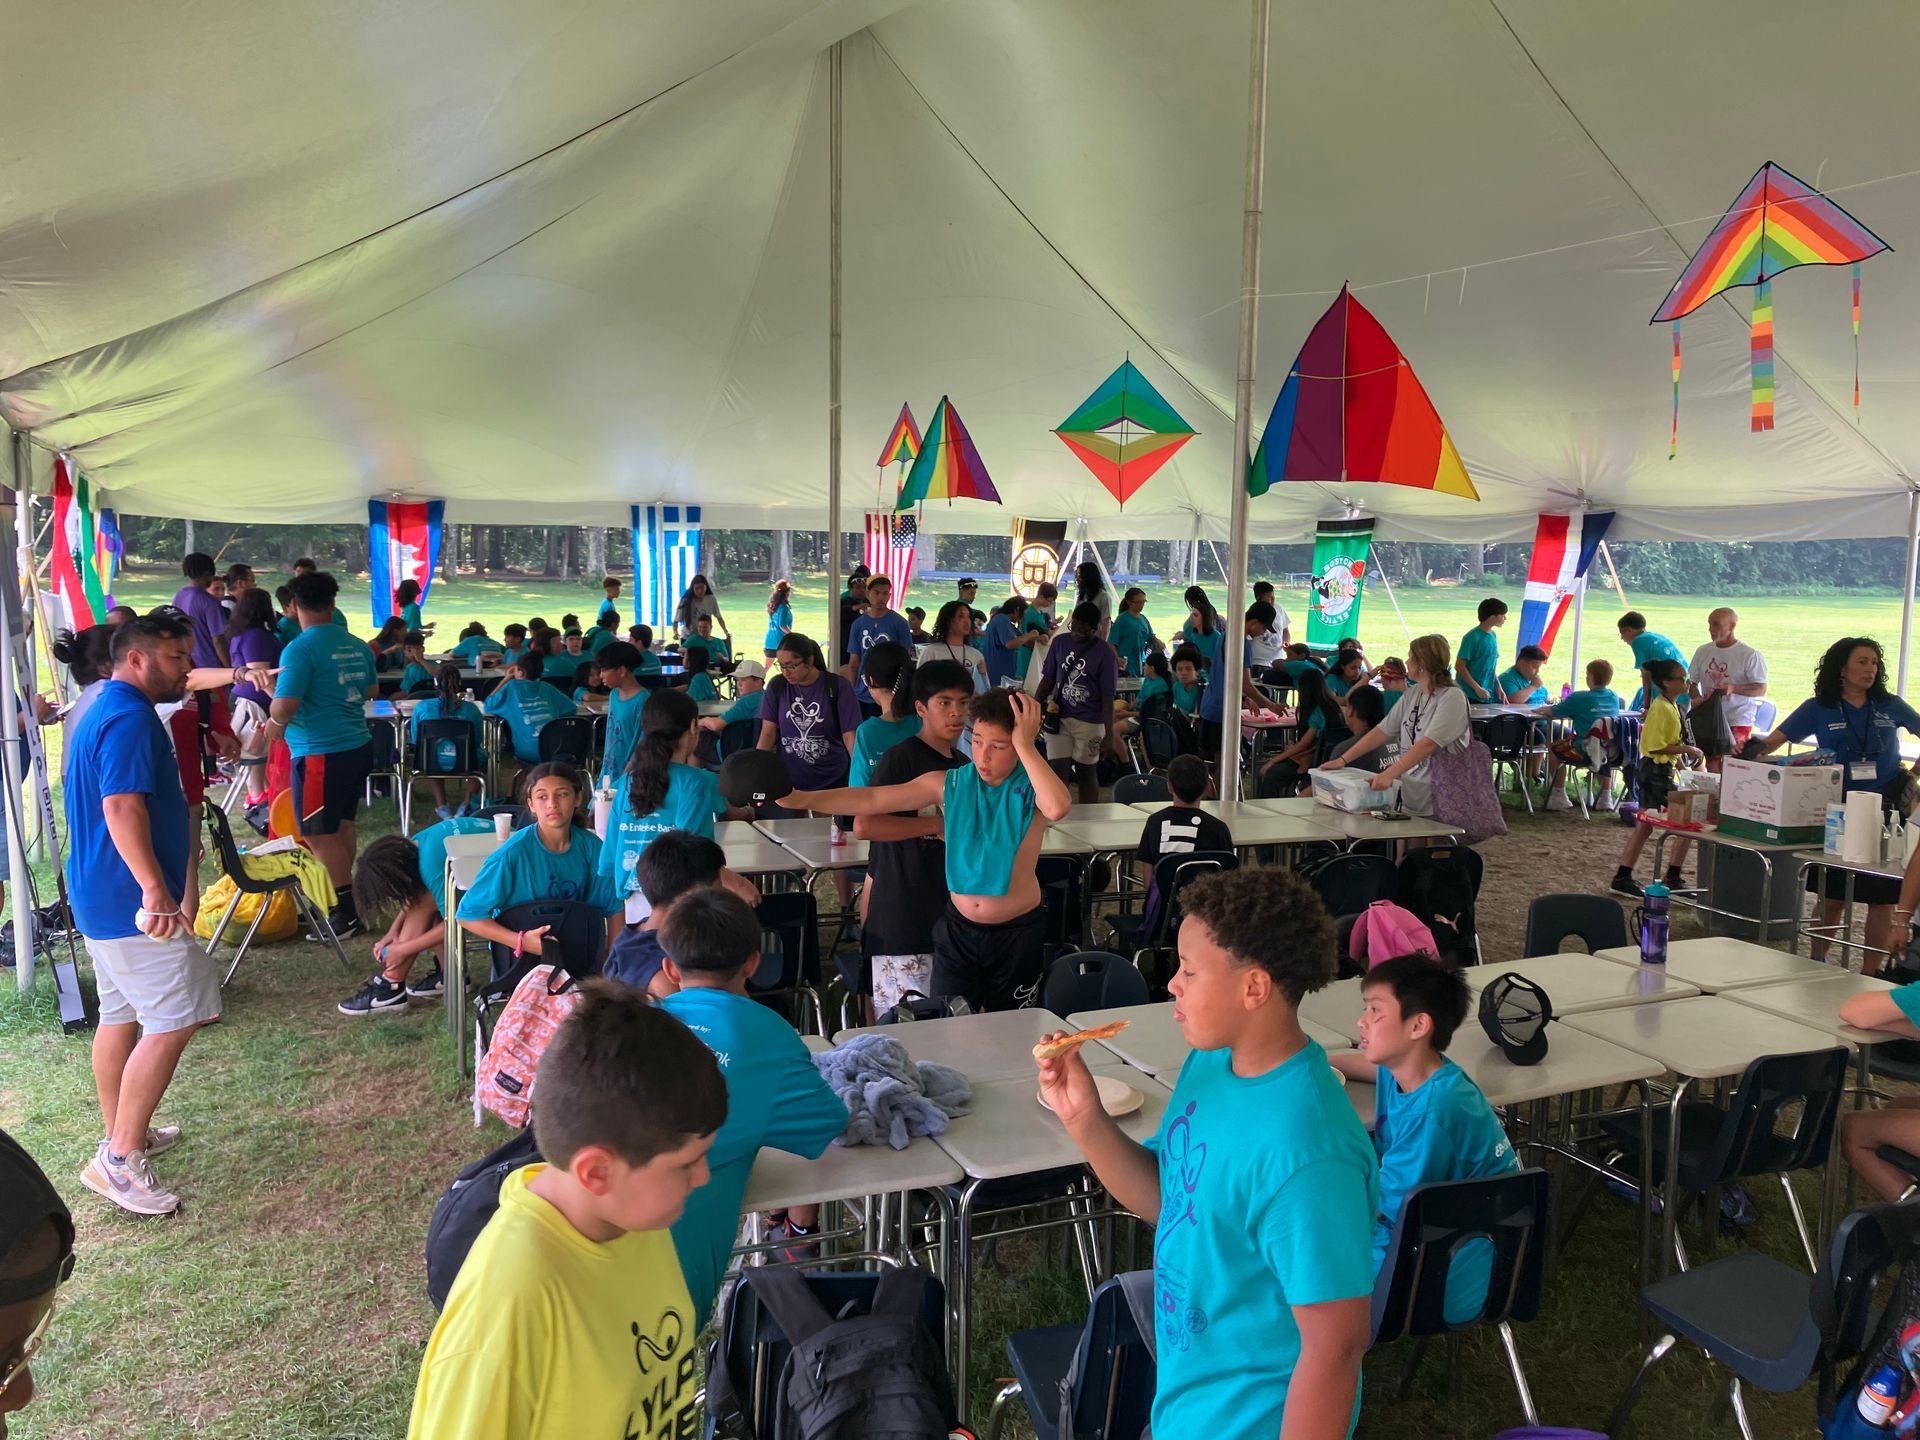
[1853, 714]
[446, 703]
[555, 858]
[779, 615]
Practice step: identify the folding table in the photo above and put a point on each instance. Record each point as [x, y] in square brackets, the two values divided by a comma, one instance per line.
[1718, 962]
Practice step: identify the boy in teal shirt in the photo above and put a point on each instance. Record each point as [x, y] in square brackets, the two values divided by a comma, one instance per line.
[748, 678]
[1261, 1183]
[625, 698]
[703, 639]
[1186, 680]
[1478, 664]
[1520, 681]
[775, 1096]
[1647, 646]
[527, 703]
[1430, 1120]
[475, 642]
[1584, 709]
[609, 613]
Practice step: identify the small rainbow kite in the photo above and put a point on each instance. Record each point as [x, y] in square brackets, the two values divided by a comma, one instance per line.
[1353, 410]
[903, 442]
[947, 467]
[1777, 223]
[1124, 432]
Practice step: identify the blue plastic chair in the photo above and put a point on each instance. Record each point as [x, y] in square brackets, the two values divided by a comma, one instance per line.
[1141, 789]
[1103, 1369]
[789, 966]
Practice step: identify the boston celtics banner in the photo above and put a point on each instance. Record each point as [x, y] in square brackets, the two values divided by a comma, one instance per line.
[1340, 549]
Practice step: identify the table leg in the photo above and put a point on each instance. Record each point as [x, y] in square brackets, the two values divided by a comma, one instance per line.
[454, 969]
[1646, 1183]
[960, 1299]
[1670, 1189]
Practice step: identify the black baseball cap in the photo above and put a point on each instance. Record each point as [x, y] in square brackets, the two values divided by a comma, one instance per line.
[752, 777]
[1514, 1012]
[967, 583]
[26, 1198]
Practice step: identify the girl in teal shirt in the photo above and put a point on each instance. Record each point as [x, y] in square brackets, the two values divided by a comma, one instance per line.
[1132, 636]
[700, 684]
[446, 703]
[779, 615]
[555, 858]
[660, 790]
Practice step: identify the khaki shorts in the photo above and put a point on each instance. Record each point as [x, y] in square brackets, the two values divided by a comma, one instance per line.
[164, 985]
[1084, 740]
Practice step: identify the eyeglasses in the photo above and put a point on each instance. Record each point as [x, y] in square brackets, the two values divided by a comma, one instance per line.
[35, 1339]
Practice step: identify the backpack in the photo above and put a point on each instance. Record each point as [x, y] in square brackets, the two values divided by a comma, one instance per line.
[1440, 895]
[1385, 930]
[872, 1376]
[463, 1212]
[503, 1080]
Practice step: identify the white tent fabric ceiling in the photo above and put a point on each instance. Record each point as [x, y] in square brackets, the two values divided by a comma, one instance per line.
[264, 261]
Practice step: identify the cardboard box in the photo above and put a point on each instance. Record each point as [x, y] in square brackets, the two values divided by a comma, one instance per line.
[1686, 807]
[1777, 804]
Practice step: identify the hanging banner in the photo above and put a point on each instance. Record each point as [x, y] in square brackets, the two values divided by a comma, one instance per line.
[666, 557]
[1340, 550]
[403, 543]
[66, 555]
[1563, 549]
[1038, 546]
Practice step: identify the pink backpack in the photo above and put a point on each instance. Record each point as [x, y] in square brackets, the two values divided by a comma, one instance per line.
[1383, 931]
[503, 1080]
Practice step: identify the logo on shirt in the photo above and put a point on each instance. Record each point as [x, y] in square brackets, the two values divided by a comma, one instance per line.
[1179, 837]
[1075, 690]
[670, 1366]
[1182, 1161]
[803, 718]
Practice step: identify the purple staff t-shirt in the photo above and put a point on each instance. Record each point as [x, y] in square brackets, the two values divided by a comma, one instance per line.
[812, 729]
[1084, 677]
[209, 619]
[259, 646]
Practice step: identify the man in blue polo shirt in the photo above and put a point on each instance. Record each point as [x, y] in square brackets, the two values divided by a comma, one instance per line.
[326, 678]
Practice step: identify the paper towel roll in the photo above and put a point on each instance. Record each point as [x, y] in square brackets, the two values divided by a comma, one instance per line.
[1860, 844]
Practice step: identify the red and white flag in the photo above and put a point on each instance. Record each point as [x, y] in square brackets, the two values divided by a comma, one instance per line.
[1563, 549]
[890, 541]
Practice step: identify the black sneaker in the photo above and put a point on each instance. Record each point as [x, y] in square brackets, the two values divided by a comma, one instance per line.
[801, 1247]
[430, 986]
[1628, 886]
[341, 929]
[376, 995]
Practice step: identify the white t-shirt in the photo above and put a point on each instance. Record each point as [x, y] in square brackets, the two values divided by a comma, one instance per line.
[1442, 717]
[1736, 664]
[966, 655]
[1266, 648]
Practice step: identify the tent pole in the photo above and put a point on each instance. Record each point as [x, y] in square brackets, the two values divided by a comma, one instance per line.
[1233, 657]
[1579, 614]
[1906, 599]
[1387, 584]
[11, 625]
[835, 640]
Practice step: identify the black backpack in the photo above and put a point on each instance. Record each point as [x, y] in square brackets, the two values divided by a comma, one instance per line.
[463, 1212]
[877, 1375]
[1438, 886]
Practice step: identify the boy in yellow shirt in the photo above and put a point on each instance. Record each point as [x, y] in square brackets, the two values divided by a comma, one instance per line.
[1665, 738]
[570, 1317]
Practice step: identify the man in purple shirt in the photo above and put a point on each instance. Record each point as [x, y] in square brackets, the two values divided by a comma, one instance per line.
[205, 613]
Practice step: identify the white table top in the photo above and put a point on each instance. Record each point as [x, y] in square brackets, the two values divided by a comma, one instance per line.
[1080, 815]
[1704, 1038]
[1152, 1040]
[754, 854]
[781, 831]
[1817, 1003]
[1335, 1007]
[985, 1047]
[1577, 983]
[467, 853]
[1370, 827]
[1063, 840]
[780, 1180]
[810, 841]
[1574, 1061]
[1009, 1131]
[1297, 805]
[1718, 962]
[1105, 835]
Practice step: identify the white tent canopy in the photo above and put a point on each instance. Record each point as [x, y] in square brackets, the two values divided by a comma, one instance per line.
[266, 261]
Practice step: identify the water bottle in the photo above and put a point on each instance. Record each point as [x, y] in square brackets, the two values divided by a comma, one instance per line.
[1651, 918]
[835, 835]
[1566, 692]
[1878, 1397]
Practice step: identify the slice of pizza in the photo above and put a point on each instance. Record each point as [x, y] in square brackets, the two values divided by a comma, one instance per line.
[1061, 1044]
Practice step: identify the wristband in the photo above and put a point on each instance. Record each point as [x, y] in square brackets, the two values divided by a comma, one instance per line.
[519, 940]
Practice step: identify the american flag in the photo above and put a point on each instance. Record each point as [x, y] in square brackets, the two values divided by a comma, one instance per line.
[890, 541]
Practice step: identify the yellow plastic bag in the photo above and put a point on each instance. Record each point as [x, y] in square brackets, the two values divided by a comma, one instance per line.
[281, 922]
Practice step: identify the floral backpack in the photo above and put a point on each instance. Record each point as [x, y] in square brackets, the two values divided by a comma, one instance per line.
[503, 1080]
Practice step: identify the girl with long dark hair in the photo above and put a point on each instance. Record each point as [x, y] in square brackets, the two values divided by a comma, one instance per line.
[952, 632]
[661, 790]
[779, 615]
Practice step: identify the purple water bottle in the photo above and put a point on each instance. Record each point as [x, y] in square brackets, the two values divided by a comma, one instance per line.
[1651, 919]
[1566, 692]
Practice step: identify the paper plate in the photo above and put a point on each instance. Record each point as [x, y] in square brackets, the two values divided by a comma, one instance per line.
[1116, 1096]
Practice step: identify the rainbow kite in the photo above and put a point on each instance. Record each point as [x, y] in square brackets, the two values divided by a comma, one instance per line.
[1353, 410]
[947, 467]
[903, 442]
[1777, 223]
[1124, 432]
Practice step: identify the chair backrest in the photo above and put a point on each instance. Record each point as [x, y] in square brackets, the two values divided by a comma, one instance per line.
[424, 690]
[1092, 980]
[1062, 883]
[738, 735]
[1138, 789]
[1505, 736]
[1348, 884]
[789, 943]
[564, 685]
[1185, 736]
[1440, 885]
[1868, 1246]
[385, 754]
[1764, 715]
[1113, 1370]
[444, 747]
[1160, 740]
[1505, 1213]
[522, 816]
[580, 930]
[568, 738]
[231, 864]
[1782, 1118]
[1172, 874]
[1595, 919]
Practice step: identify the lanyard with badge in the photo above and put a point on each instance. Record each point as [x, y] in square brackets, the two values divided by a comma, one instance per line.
[1864, 768]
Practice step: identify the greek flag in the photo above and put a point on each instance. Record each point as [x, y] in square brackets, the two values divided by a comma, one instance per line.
[666, 556]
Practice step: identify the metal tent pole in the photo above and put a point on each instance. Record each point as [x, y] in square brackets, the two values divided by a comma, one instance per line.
[834, 99]
[11, 625]
[1906, 600]
[1579, 614]
[1233, 658]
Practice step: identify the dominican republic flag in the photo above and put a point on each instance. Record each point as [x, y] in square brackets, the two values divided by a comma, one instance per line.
[403, 543]
[890, 541]
[666, 557]
[1563, 548]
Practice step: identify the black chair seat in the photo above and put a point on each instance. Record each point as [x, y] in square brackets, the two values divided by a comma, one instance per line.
[1042, 1360]
[1129, 931]
[1749, 1312]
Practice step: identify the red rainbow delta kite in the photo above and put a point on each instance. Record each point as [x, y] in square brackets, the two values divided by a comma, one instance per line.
[903, 442]
[1777, 223]
[947, 467]
[1353, 410]
[1124, 431]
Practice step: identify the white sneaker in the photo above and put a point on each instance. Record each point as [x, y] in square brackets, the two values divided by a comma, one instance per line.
[160, 1139]
[130, 1184]
[1558, 801]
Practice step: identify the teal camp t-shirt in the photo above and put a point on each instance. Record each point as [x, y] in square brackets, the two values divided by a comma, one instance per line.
[693, 803]
[623, 730]
[329, 672]
[714, 645]
[287, 628]
[411, 615]
[1268, 1190]
[1522, 691]
[527, 706]
[778, 623]
[1129, 636]
[1587, 708]
[700, 687]
[607, 608]
[985, 825]
[415, 674]
[1033, 620]
[744, 707]
[474, 646]
[775, 1098]
[1480, 653]
[562, 669]
[1444, 1130]
[873, 739]
[649, 664]
[432, 845]
[1650, 645]
[1907, 997]
[448, 755]
[523, 871]
[1186, 698]
[1152, 688]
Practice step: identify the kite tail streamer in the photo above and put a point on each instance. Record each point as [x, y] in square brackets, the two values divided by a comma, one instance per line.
[1673, 442]
[1856, 342]
[1762, 356]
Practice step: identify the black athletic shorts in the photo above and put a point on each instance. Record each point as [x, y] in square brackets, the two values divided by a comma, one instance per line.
[327, 788]
[994, 967]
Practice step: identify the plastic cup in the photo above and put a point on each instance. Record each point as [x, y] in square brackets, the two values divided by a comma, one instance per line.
[502, 826]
